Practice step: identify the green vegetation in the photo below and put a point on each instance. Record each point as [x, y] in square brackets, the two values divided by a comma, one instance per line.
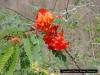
[30, 55]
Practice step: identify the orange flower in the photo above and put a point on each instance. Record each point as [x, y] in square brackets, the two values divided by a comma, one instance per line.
[44, 16]
[49, 17]
[53, 39]
[55, 42]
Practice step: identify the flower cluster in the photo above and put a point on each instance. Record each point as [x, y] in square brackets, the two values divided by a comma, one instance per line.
[54, 40]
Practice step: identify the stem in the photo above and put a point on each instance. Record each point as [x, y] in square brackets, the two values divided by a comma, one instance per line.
[67, 5]
[73, 59]
[67, 8]
[55, 4]
[20, 14]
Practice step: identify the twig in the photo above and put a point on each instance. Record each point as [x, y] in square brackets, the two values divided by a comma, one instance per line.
[67, 8]
[96, 43]
[55, 4]
[23, 33]
[20, 14]
[67, 5]
[73, 59]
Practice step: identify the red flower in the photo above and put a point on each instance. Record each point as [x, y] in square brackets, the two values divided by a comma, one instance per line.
[60, 44]
[14, 40]
[43, 27]
[49, 17]
[44, 16]
[60, 16]
[37, 25]
[42, 11]
[53, 39]
[52, 29]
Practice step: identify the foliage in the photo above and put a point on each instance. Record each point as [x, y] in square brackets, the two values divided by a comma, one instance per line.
[28, 50]
[13, 61]
[30, 56]
[21, 58]
[77, 2]
[5, 58]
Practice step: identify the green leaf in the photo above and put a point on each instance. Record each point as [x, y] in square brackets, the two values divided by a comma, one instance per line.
[97, 29]
[91, 67]
[41, 48]
[74, 24]
[59, 59]
[5, 48]
[86, 28]
[13, 62]
[38, 49]
[5, 58]
[76, 15]
[98, 20]
[77, 2]
[98, 39]
[28, 51]
[96, 62]
[37, 52]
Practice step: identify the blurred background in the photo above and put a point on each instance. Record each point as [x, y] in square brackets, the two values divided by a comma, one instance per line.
[82, 30]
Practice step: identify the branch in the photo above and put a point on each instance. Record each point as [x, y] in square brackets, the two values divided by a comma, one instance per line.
[55, 4]
[73, 59]
[67, 8]
[67, 5]
[20, 14]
